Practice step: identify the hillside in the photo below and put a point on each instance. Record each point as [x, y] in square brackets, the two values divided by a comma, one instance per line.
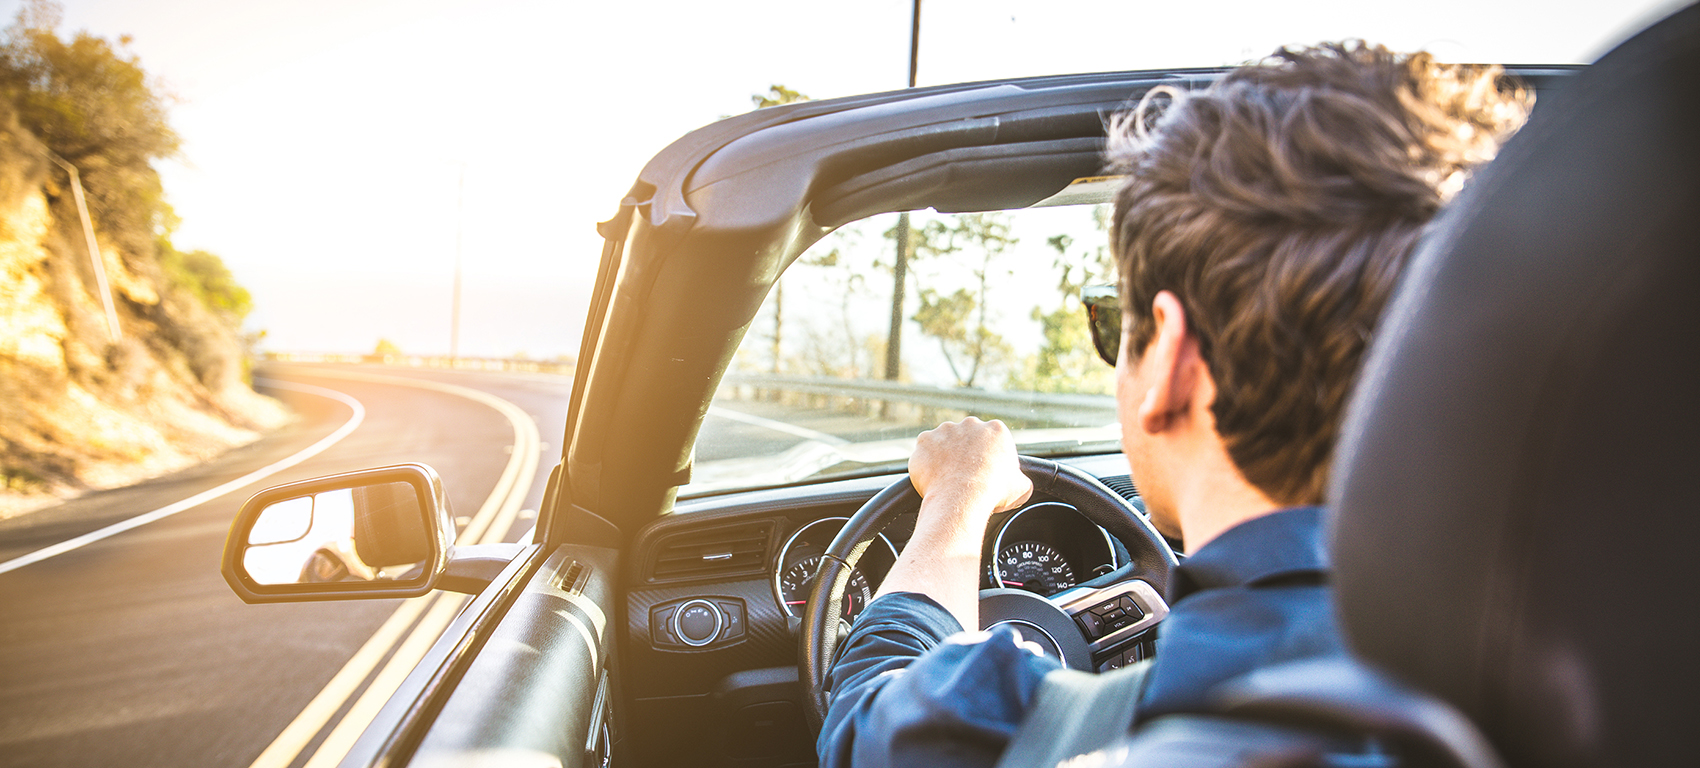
[81, 409]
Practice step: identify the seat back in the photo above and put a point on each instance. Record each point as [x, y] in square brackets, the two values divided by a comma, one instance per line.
[1518, 481]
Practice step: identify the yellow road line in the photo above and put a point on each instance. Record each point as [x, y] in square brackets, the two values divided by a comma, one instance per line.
[406, 657]
[528, 447]
[319, 711]
[489, 525]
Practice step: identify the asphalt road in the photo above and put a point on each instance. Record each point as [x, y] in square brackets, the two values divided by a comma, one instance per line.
[131, 650]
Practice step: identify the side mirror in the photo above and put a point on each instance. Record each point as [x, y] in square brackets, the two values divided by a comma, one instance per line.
[376, 533]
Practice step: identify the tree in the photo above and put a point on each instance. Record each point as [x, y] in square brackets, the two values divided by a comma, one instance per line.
[776, 95]
[82, 97]
[1067, 362]
[204, 276]
[960, 319]
[90, 103]
[838, 351]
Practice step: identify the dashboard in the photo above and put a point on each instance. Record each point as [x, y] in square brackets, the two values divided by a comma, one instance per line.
[714, 594]
[720, 544]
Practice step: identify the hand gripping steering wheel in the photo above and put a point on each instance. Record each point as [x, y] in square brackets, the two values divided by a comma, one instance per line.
[1094, 616]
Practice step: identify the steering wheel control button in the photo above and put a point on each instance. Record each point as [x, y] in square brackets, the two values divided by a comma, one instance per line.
[1125, 657]
[698, 623]
[1111, 615]
[733, 611]
[1091, 624]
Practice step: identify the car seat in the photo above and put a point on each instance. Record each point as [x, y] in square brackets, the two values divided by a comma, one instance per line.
[389, 526]
[1515, 490]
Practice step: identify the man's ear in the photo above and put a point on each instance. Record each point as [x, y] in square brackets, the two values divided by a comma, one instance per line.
[1171, 363]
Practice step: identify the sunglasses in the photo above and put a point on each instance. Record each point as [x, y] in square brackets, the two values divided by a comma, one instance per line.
[1104, 317]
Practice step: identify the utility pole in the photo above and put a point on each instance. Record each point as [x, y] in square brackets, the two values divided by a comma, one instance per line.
[460, 229]
[900, 264]
[112, 332]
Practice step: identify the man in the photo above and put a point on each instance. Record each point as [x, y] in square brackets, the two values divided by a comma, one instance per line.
[1261, 228]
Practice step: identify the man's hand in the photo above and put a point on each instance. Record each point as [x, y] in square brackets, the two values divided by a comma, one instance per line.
[971, 461]
[966, 471]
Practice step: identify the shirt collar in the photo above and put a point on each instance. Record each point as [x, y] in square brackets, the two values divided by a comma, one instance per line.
[1281, 543]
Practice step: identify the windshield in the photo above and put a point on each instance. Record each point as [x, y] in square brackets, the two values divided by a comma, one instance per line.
[990, 325]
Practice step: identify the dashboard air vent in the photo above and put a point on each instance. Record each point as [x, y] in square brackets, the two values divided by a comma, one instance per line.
[725, 551]
[1122, 485]
[573, 578]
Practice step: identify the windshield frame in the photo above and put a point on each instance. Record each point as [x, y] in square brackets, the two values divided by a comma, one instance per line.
[715, 218]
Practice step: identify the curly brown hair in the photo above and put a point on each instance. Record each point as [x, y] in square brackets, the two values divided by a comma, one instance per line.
[1280, 205]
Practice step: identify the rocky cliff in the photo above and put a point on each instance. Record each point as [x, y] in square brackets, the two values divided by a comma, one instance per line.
[79, 408]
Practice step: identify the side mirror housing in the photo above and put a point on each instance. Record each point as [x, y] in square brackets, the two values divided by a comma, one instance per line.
[375, 533]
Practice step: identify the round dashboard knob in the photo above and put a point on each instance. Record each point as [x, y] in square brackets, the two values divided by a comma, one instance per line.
[697, 623]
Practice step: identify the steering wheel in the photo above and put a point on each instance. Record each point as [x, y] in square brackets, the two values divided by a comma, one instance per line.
[1094, 616]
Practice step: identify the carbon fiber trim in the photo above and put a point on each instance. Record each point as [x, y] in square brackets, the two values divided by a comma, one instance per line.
[652, 671]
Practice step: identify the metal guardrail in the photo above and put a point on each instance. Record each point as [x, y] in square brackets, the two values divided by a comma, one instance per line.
[1072, 410]
[1059, 409]
[428, 361]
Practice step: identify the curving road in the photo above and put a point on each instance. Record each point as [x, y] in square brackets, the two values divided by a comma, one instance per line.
[124, 646]
[131, 650]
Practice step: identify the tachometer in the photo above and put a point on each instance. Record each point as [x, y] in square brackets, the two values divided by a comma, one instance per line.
[800, 558]
[1034, 567]
[796, 581]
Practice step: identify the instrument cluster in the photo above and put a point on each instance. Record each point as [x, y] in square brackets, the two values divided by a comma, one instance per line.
[1044, 548]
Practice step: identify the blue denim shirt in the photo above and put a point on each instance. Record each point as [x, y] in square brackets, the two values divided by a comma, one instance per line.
[911, 688]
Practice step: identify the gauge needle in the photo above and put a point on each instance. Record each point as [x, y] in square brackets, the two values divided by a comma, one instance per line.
[795, 602]
[1007, 582]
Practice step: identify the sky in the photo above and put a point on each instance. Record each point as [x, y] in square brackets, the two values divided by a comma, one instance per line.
[340, 154]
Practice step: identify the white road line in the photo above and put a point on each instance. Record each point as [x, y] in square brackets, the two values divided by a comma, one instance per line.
[776, 426]
[208, 495]
[488, 526]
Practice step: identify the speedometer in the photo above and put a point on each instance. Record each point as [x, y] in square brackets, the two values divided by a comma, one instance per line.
[1034, 567]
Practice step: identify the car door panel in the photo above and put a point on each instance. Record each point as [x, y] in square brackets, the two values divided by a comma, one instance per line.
[532, 691]
[515, 678]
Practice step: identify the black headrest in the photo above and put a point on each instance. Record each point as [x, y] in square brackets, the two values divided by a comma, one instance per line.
[1518, 481]
[389, 527]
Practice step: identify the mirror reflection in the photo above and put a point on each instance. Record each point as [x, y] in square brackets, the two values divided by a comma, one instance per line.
[366, 533]
[283, 522]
